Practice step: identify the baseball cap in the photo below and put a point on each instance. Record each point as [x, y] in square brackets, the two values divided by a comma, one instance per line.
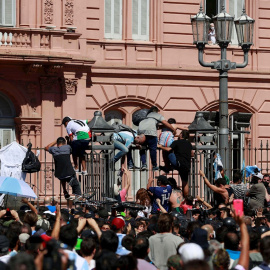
[65, 119]
[88, 234]
[49, 212]
[191, 251]
[118, 223]
[23, 237]
[4, 244]
[259, 175]
[162, 178]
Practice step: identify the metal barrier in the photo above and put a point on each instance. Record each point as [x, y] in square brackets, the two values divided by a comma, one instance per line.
[102, 176]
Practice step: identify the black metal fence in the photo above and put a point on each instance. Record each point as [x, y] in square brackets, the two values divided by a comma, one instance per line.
[102, 174]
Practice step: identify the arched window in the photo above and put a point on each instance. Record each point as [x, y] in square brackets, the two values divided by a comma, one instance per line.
[114, 116]
[7, 114]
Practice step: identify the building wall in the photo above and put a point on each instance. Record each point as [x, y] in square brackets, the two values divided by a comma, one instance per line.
[49, 72]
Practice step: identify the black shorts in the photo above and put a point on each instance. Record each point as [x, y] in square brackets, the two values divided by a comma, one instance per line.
[184, 173]
[79, 147]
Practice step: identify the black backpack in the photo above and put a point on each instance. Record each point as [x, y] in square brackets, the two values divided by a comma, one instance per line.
[121, 127]
[30, 163]
[139, 115]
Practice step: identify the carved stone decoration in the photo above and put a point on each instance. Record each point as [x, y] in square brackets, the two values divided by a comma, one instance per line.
[48, 84]
[69, 13]
[70, 86]
[48, 173]
[38, 129]
[48, 11]
[24, 129]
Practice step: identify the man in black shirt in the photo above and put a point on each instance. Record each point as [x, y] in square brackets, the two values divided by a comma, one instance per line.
[180, 156]
[63, 167]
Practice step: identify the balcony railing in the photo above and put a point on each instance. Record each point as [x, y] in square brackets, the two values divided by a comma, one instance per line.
[25, 38]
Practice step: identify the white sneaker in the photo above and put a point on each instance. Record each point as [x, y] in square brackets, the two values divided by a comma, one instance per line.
[84, 173]
[116, 189]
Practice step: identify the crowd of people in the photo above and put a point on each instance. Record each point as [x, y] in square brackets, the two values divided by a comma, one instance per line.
[168, 231]
[166, 228]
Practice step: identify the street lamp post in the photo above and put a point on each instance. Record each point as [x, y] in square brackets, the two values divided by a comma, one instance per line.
[223, 26]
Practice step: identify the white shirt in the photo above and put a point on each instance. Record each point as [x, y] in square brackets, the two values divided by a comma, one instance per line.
[92, 265]
[258, 268]
[75, 126]
[212, 36]
[80, 262]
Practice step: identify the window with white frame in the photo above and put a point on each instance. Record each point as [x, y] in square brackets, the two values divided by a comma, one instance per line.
[7, 136]
[7, 126]
[113, 19]
[7, 12]
[140, 19]
[235, 9]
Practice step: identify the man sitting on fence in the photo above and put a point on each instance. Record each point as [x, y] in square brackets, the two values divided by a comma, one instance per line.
[63, 167]
[123, 141]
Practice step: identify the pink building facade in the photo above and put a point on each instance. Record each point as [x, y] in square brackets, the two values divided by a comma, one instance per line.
[72, 58]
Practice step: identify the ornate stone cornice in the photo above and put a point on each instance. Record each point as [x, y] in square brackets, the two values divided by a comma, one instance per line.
[48, 11]
[69, 13]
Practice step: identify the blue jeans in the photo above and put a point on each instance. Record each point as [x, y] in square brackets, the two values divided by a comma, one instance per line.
[173, 160]
[151, 142]
[123, 151]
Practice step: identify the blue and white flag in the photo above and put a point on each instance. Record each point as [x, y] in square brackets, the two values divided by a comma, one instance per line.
[251, 170]
[218, 166]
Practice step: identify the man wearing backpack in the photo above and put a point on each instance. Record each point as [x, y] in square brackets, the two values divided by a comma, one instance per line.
[122, 141]
[63, 167]
[148, 127]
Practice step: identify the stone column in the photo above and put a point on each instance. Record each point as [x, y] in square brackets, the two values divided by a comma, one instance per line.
[153, 21]
[24, 131]
[24, 13]
[127, 20]
[49, 86]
